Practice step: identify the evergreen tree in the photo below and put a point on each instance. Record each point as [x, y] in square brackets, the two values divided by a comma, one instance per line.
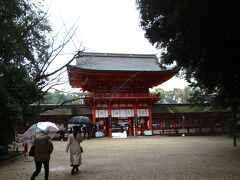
[203, 38]
[24, 49]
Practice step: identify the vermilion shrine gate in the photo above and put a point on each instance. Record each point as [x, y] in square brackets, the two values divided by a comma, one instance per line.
[118, 86]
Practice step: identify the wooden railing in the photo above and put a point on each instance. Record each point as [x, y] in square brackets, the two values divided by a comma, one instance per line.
[124, 95]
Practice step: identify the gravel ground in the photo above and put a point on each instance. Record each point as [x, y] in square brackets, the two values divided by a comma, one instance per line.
[140, 158]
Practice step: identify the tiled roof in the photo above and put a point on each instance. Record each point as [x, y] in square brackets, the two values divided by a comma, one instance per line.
[118, 62]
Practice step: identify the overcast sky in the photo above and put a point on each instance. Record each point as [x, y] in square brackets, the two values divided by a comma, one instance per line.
[105, 26]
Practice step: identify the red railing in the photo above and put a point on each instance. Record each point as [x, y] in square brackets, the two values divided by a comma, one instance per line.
[104, 95]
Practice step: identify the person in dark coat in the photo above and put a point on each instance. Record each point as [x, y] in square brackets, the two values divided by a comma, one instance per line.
[127, 128]
[43, 148]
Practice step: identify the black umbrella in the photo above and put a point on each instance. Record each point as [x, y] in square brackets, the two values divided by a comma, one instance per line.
[80, 120]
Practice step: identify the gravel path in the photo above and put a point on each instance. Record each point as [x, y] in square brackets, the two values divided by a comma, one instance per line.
[140, 158]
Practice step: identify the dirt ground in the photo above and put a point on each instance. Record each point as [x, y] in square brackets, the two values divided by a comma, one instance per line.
[140, 158]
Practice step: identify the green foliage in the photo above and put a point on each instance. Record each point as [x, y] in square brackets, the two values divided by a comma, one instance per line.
[58, 98]
[203, 38]
[23, 52]
[175, 96]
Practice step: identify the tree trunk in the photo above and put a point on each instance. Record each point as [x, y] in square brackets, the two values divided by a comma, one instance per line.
[234, 123]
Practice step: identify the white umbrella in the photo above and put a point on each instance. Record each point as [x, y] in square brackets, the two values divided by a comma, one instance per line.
[49, 128]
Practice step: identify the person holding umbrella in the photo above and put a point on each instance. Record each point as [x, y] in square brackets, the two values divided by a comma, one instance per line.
[73, 143]
[43, 148]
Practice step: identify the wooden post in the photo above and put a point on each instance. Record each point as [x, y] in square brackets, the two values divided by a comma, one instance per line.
[135, 120]
[150, 118]
[109, 121]
[94, 115]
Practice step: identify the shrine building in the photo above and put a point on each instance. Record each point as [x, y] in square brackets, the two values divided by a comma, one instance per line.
[118, 88]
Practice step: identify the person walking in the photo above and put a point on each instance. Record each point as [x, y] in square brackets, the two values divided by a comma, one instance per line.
[84, 130]
[25, 147]
[43, 148]
[73, 143]
[127, 128]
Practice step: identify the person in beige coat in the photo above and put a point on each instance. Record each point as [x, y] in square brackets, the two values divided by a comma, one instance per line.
[73, 143]
[43, 148]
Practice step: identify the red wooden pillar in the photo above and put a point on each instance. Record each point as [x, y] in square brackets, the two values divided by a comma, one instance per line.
[150, 118]
[109, 121]
[94, 115]
[174, 122]
[135, 128]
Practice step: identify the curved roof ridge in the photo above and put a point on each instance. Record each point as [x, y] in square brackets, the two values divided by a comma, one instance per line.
[116, 62]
